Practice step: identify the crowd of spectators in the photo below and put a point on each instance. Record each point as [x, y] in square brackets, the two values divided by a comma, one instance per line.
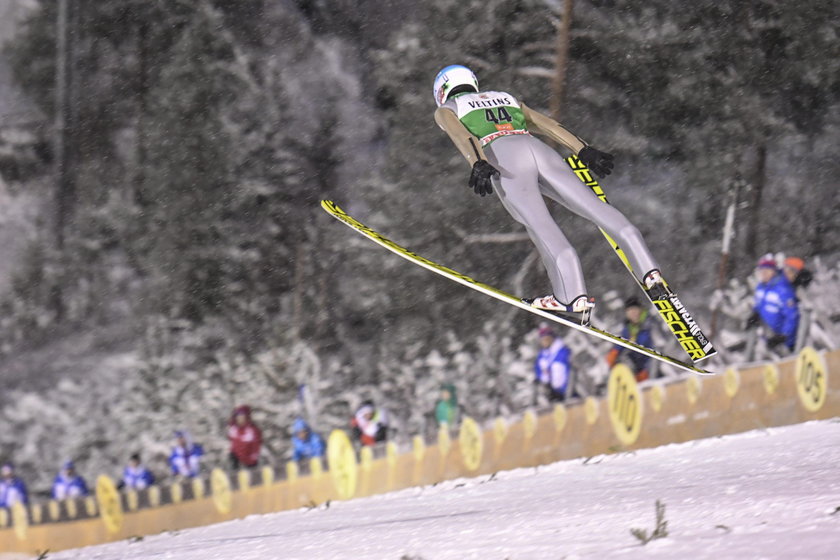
[775, 316]
[184, 461]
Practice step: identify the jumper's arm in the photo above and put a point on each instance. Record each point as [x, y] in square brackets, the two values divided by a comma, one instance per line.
[467, 144]
[537, 122]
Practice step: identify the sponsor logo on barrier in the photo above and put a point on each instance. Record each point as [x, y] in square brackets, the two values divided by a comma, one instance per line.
[657, 398]
[471, 443]
[692, 389]
[222, 493]
[529, 424]
[343, 465]
[500, 431]
[625, 404]
[418, 448]
[771, 378]
[731, 381]
[110, 504]
[811, 379]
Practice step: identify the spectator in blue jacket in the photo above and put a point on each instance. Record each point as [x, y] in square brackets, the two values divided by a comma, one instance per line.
[776, 306]
[552, 367]
[306, 443]
[135, 475]
[12, 488]
[638, 329]
[185, 459]
[68, 483]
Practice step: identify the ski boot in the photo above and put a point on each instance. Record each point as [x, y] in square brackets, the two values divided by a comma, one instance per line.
[656, 286]
[580, 309]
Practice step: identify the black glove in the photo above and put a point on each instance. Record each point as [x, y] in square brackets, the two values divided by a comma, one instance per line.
[776, 340]
[480, 179]
[754, 320]
[803, 278]
[601, 163]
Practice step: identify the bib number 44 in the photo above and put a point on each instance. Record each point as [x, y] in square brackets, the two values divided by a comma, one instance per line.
[498, 115]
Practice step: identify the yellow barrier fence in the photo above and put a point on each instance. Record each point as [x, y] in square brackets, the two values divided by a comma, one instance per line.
[630, 416]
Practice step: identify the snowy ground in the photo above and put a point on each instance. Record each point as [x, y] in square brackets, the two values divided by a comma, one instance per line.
[763, 494]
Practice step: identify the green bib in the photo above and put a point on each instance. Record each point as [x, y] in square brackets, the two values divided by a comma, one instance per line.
[490, 115]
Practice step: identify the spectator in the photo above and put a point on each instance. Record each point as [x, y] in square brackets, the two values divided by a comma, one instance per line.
[775, 305]
[796, 273]
[245, 439]
[135, 475]
[68, 483]
[12, 488]
[185, 459]
[370, 424]
[553, 365]
[636, 328]
[446, 409]
[306, 443]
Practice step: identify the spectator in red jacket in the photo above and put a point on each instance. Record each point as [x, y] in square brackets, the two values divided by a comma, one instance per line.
[370, 424]
[245, 439]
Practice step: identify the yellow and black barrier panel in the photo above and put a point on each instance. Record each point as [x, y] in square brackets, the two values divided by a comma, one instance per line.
[529, 428]
[811, 379]
[132, 500]
[90, 506]
[418, 451]
[500, 432]
[176, 492]
[625, 404]
[37, 513]
[153, 494]
[221, 491]
[471, 443]
[20, 520]
[344, 468]
[391, 454]
[243, 479]
[72, 508]
[444, 446]
[54, 509]
[110, 503]
[198, 488]
[267, 474]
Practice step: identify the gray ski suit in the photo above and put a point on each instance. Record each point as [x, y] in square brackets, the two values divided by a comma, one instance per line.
[529, 170]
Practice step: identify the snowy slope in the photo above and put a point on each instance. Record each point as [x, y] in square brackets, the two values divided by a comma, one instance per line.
[763, 494]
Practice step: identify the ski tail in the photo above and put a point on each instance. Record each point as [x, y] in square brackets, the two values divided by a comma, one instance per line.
[681, 323]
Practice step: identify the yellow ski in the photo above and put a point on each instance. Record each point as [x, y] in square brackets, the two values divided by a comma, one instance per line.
[346, 219]
[680, 322]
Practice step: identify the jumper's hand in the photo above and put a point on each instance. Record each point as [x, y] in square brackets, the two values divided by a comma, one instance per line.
[601, 163]
[480, 179]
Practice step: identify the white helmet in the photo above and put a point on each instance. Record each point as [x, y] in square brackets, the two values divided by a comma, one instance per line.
[451, 77]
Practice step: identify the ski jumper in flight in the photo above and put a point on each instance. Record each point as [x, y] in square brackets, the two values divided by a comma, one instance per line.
[492, 130]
